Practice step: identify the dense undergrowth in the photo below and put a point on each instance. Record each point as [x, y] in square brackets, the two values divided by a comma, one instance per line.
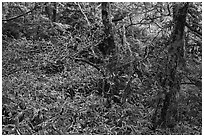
[66, 101]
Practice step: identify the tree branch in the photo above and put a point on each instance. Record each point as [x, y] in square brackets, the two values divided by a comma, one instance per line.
[91, 64]
[21, 14]
[196, 82]
[197, 33]
[83, 14]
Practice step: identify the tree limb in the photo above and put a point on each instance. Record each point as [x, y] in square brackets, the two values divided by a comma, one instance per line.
[83, 14]
[91, 64]
[196, 82]
[21, 14]
[197, 33]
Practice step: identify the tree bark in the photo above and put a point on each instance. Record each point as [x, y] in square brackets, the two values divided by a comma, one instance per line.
[108, 44]
[175, 61]
[54, 16]
[106, 18]
[168, 113]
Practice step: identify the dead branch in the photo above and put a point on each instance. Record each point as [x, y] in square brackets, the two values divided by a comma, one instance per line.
[21, 14]
[196, 32]
[83, 14]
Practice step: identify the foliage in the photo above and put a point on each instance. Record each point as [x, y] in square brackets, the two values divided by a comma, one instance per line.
[59, 76]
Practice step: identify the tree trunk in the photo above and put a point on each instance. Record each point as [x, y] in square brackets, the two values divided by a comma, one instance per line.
[106, 18]
[175, 61]
[54, 16]
[168, 113]
[108, 45]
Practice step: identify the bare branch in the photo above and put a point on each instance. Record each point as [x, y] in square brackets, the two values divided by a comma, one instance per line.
[91, 64]
[83, 14]
[21, 14]
[197, 33]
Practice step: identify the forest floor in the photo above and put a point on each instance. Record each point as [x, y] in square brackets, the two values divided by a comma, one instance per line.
[67, 103]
